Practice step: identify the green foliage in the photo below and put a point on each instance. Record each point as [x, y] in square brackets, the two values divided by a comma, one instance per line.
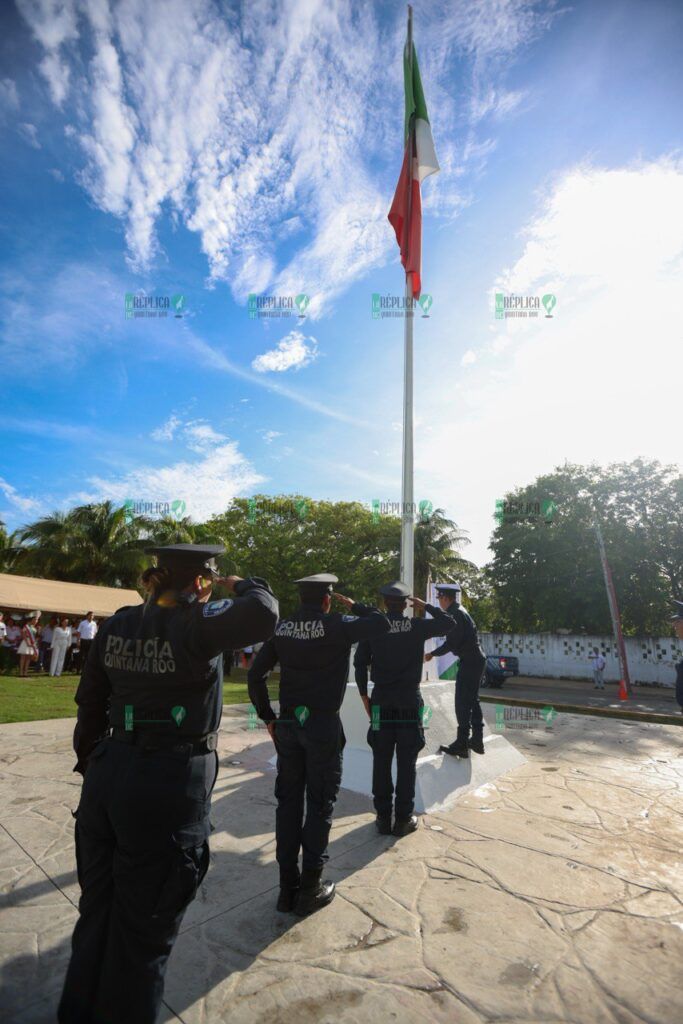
[549, 576]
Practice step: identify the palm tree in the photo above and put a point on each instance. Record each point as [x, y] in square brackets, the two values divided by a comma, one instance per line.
[10, 550]
[436, 542]
[96, 544]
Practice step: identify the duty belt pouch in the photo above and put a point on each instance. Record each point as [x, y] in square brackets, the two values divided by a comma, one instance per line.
[188, 864]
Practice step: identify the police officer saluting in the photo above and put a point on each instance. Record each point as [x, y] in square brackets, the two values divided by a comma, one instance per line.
[395, 708]
[313, 647]
[463, 641]
[154, 676]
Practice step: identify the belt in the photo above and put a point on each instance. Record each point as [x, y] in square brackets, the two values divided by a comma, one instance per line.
[318, 711]
[153, 741]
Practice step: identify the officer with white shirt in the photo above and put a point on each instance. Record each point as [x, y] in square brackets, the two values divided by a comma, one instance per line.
[87, 631]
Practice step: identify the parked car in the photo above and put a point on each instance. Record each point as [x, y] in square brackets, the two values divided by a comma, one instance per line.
[498, 668]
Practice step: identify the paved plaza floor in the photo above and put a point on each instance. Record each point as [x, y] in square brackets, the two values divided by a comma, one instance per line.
[552, 895]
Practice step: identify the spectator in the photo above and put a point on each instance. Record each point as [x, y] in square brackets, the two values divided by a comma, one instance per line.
[28, 645]
[87, 631]
[73, 659]
[13, 633]
[598, 668]
[61, 640]
[46, 643]
[3, 629]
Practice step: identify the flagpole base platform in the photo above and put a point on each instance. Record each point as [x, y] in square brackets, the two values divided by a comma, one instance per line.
[441, 778]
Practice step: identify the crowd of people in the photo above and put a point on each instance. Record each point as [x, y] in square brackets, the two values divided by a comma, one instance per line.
[57, 645]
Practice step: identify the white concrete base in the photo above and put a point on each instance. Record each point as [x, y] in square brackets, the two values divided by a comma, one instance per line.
[441, 779]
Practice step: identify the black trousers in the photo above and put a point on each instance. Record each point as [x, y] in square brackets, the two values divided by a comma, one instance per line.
[85, 646]
[467, 706]
[309, 763]
[397, 733]
[142, 849]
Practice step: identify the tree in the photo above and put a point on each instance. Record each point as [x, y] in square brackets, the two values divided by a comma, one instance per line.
[437, 540]
[97, 544]
[548, 575]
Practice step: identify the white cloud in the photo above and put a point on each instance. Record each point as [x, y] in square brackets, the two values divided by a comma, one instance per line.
[292, 353]
[55, 173]
[270, 435]
[599, 381]
[54, 25]
[16, 500]
[241, 123]
[207, 485]
[201, 437]
[469, 357]
[9, 97]
[29, 132]
[167, 430]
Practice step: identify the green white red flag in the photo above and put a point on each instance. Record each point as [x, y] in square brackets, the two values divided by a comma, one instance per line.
[419, 161]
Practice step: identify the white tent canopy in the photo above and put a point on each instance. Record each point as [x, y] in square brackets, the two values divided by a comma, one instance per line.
[26, 593]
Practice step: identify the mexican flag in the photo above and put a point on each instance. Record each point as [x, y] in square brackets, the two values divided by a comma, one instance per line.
[419, 161]
[445, 666]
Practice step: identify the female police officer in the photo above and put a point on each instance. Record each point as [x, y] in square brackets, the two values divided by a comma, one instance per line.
[154, 676]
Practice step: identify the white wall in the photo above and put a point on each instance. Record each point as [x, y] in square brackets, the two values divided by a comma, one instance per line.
[650, 659]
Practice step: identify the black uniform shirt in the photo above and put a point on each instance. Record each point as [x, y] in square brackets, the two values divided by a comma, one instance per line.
[462, 639]
[161, 668]
[395, 658]
[313, 651]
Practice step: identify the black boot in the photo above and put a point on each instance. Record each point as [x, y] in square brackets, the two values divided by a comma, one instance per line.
[457, 749]
[404, 826]
[383, 824]
[477, 744]
[287, 898]
[289, 891]
[314, 893]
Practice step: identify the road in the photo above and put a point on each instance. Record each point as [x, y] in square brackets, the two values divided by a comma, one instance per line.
[580, 691]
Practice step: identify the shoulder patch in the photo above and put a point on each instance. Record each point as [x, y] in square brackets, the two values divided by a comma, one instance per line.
[216, 607]
[349, 618]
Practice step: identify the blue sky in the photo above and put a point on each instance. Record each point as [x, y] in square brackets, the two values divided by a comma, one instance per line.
[210, 150]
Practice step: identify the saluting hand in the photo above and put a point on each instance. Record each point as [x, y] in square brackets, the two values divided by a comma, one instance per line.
[228, 581]
[348, 602]
[417, 602]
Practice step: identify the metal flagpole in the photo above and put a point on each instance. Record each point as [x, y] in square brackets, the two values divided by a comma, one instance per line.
[613, 610]
[407, 501]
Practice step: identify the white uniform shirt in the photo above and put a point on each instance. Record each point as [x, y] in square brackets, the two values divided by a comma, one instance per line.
[87, 630]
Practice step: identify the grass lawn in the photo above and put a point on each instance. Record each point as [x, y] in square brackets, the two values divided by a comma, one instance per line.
[38, 697]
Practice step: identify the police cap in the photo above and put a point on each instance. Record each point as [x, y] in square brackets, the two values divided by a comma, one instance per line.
[190, 557]
[322, 582]
[678, 611]
[449, 589]
[397, 590]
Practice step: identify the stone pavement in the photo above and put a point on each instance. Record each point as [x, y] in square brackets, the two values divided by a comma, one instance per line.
[553, 895]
